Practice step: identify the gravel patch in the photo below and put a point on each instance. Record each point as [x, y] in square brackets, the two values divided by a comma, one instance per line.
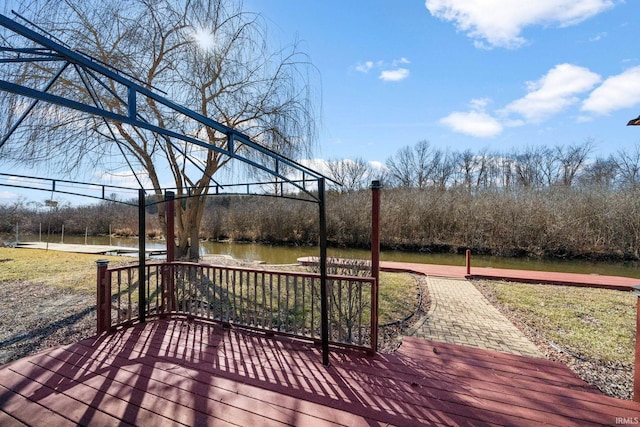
[36, 317]
[612, 379]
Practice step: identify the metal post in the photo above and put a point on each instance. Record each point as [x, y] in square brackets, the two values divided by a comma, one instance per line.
[636, 366]
[324, 314]
[142, 303]
[103, 297]
[375, 259]
[170, 209]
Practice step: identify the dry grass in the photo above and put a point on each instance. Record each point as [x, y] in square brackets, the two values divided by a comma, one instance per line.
[397, 296]
[594, 324]
[58, 269]
[47, 298]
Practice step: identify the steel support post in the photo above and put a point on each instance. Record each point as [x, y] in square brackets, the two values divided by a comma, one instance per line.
[142, 252]
[375, 260]
[324, 295]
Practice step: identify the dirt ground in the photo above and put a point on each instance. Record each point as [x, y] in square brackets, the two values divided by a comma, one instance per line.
[35, 317]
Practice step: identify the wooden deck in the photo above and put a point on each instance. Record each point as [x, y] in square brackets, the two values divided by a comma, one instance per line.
[179, 372]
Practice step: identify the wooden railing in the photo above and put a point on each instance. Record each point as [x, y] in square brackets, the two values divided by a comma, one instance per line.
[277, 302]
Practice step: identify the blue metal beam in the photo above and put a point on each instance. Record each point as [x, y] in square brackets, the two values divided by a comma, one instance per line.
[64, 102]
[32, 106]
[84, 61]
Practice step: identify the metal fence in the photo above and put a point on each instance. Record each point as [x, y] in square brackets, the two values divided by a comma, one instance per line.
[278, 302]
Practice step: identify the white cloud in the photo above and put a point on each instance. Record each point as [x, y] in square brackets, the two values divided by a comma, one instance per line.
[394, 75]
[474, 123]
[400, 61]
[598, 37]
[479, 104]
[389, 71]
[124, 178]
[499, 23]
[364, 67]
[554, 92]
[376, 165]
[615, 93]
[7, 195]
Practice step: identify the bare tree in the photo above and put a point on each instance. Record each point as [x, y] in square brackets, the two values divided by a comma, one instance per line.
[207, 55]
[413, 166]
[444, 165]
[528, 167]
[628, 164]
[601, 173]
[401, 167]
[352, 174]
[572, 158]
[467, 166]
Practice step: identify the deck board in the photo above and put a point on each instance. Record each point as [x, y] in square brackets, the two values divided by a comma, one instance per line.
[179, 372]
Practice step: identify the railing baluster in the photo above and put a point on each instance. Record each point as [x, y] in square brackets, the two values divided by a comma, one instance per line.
[255, 299]
[303, 309]
[313, 306]
[283, 301]
[208, 284]
[294, 311]
[360, 314]
[287, 310]
[270, 301]
[279, 299]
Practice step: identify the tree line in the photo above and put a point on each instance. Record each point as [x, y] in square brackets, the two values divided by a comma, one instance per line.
[549, 202]
[424, 165]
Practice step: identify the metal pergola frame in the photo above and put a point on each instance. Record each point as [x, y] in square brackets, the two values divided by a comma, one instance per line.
[311, 185]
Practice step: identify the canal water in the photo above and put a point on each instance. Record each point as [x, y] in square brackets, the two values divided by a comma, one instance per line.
[272, 254]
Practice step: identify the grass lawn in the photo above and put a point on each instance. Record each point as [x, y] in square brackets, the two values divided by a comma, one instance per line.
[397, 296]
[595, 324]
[397, 292]
[59, 269]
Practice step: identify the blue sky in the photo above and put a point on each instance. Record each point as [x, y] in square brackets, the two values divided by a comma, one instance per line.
[494, 75]
[467, 74]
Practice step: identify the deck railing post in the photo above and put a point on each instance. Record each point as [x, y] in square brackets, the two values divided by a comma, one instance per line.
[103, 297]
[636, 368]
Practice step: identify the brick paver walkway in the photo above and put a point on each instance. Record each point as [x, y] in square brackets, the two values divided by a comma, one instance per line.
[460, 314]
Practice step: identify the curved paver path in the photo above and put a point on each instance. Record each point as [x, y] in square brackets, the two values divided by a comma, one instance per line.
[460, 314]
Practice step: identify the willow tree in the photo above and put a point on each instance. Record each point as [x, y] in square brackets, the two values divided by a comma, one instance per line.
[210, 56]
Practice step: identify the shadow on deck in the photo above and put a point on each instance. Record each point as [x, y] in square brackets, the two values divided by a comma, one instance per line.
[175, 371]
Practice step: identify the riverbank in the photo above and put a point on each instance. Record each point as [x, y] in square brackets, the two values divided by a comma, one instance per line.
[288, 254]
